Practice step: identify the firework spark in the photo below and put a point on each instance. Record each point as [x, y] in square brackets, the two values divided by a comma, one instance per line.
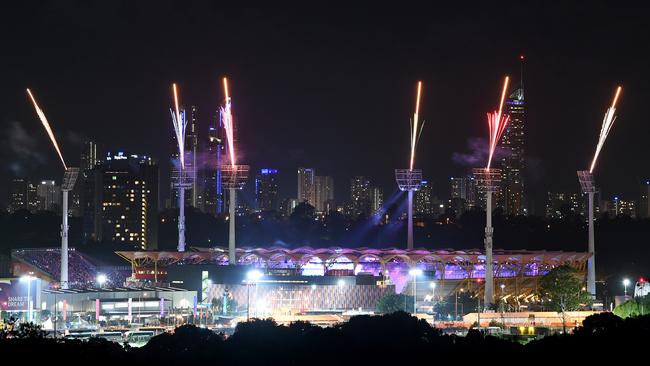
[497, 123]
[226, 120]
[178, 119]
[46, 124]
[608, 122]
[415, 131]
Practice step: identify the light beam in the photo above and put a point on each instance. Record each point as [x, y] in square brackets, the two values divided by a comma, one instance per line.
[46, 124]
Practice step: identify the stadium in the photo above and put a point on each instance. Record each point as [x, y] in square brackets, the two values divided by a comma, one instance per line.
[152, 285]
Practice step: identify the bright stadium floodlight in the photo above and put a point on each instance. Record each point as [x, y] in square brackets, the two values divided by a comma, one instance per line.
[626, 283]
[432, 285]
[415, 272]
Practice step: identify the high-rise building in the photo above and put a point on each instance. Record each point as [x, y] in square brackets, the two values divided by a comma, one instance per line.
[191, 163]
[424, 199]
[212, 192]
[49, 195]
[463, 194]
[376, 200]
[619, 207]
[306, 192]
[324, 193]
[513, 164]
[644, 200]
[287, 206]
[360, 199]
[266, 189]
[18, 199]
[126, 191]
[32, 197]
[559, 204]
[89, 155]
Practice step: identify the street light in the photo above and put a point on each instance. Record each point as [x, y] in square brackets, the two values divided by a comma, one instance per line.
[28, 279]
[251, 276]
[415, 272]
[626, 282]
[101, 279]
[432, 285]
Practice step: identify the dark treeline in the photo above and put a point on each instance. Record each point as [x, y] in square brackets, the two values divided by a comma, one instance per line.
[396, 337]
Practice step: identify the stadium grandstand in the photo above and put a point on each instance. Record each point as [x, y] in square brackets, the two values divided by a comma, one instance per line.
[45, 263]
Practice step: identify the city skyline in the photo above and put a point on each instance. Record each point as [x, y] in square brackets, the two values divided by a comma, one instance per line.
[335, 135]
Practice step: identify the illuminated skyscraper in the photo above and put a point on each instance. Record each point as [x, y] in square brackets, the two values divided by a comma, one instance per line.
[266, 190]
[513, 164]
[18, 199]
[376, 200]
[424, 199]
[644, 200]
[89, 155]
[360, 199]
[306, 191]
[49, 195]
[128, 195]
[324, 193]
[212, 192]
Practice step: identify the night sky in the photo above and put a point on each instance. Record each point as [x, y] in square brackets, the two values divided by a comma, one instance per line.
[330, 88]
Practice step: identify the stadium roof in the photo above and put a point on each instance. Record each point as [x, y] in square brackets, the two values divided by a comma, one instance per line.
[302, 255]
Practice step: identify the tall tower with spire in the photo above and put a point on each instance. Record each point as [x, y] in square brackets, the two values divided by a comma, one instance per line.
[513, 199]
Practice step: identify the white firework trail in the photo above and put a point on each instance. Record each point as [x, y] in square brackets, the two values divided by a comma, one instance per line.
[608, 122]
[46, 124]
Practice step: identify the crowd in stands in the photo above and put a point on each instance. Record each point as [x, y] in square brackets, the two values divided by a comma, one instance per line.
[82, 272]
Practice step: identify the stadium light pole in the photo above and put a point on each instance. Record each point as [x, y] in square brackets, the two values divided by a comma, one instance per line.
[235, 176]
[410, 179]
[69, 178]
[489, 178]
[183, 180]
[586, 179]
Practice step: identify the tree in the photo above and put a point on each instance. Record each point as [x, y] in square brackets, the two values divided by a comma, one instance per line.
[562, 288]
[633, 307]
[390, 303]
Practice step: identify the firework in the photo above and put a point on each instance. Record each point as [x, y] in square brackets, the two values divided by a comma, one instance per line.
[46, 124]
[178, 119]
[415, 131]
[497, 123]
[608, 122]
[226, 119]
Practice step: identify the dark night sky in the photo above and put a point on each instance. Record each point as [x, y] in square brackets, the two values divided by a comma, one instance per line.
[330, 88]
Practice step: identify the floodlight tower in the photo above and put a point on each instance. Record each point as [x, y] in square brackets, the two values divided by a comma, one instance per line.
[183, 180]
[234, 176]
[69, 178]
[489, 179]
[587, 183]
[410, 179]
